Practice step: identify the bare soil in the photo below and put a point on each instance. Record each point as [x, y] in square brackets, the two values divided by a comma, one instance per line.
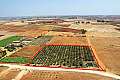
[46, 75]
[108, 51]
[11, 74]
[3, 68]
[69, 40]
[27, 52]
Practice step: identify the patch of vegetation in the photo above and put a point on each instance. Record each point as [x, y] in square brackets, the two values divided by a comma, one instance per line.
[69, 56]
[2, 54]
[83, 31]
[15, 60]
[9, 40]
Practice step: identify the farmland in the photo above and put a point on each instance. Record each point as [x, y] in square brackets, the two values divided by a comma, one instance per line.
[108, 51]
[14, 60]
[69, 40]
[54, 75]
[41, 40]
[26, 52]
[60, 47]
[59, 29]
[69, 56]
[9, 40]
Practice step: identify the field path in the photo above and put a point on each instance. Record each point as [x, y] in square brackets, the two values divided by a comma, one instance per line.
[21, 74]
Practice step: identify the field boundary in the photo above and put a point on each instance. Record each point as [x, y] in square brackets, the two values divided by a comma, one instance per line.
[94, 56]
[101, 65]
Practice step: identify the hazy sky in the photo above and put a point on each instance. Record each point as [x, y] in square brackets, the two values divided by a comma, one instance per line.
[59, 7]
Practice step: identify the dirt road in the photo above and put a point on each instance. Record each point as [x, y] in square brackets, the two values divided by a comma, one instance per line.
[107, 74]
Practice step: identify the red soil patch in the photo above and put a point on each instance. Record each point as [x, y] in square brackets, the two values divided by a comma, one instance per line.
[67, 30]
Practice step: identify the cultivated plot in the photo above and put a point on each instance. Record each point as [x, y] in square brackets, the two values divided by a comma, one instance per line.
[66, 56]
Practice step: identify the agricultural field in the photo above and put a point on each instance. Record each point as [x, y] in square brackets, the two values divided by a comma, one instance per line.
[60, 29]
[69, 40]
[26, 52]
[41, 40]
[108, 51]
[67, 56]
[14, 60]
[9, 40]
[54, 75]
[55, 33]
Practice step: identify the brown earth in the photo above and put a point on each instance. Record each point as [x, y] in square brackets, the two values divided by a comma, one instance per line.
[10, 75]
[28, 30]
[27, 52]
[1, 35]
[67, 30]
[108, 51]
[3, 68]
[69, 40]
[52, 75]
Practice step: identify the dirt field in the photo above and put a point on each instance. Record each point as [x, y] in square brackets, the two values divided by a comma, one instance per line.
[3, 68]
[27, 30]
[46, 75]
[54, 33]
[66, 30]
[69, 40]
[108, 51]
[27, 52]
[32, 33]
[10, 75]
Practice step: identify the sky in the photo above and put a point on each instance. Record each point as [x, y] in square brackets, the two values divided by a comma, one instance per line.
[12, 8]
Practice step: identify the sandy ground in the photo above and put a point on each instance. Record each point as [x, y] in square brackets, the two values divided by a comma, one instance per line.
[9, 74]
[3, 68]
[21, 74]
[17, 23]
[108, 51]
[98, 30]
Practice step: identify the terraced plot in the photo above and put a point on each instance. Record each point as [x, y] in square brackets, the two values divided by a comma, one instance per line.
[66, 56]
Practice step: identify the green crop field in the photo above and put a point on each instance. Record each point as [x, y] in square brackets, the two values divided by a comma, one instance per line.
[9, 40]
[68, 56]
[14, 60]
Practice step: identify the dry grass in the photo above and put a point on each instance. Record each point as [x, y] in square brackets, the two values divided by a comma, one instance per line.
[108, 51]
[69, 40]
